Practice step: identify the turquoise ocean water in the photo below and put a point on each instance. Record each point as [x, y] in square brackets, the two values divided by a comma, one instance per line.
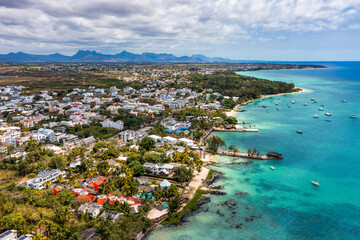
[282, 203]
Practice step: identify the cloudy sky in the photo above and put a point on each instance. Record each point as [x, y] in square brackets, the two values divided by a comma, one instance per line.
[238, 29]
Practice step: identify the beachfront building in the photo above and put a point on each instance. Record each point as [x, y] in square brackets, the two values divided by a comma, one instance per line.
[162, 169]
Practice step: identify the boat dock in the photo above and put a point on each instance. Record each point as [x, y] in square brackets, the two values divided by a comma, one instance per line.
[236, 130]
[246, 155]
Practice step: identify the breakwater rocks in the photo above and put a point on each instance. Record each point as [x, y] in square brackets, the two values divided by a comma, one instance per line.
[252, 218]
[240, 194]
[216, 176]
[230, 204]
[203, 200]
[218, 193]
[242, 163]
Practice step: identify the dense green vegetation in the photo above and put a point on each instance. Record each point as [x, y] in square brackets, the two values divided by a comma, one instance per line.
[95, 130]
[231, 84]
[189, 207]
[213, 143]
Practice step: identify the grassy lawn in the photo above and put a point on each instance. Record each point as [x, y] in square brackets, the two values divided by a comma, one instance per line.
[190, 206]
[7, 177]
[210, 174]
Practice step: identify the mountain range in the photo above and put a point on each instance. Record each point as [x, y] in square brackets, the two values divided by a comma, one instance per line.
[124, 56]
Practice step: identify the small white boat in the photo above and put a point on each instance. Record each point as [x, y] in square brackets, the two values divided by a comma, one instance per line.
[315, 183]
[315, 116]
[277, 108]
[305, 104]
[272, 168]
[313, 99]
[328, 114]
[352, 116]
[299, 131]
[321, 109]
[276, 103]
[293, 102]
[344, 101]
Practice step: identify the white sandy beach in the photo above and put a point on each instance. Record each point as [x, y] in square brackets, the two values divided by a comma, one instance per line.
[233, 112]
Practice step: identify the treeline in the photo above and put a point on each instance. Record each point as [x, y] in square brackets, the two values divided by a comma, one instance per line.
[231, 84]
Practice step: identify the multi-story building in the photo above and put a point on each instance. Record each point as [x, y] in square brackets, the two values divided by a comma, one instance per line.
[38, 182]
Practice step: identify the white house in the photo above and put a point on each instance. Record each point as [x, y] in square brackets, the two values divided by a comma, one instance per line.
[111, 124]
[38, 182]
[170, 140]
[92, 208]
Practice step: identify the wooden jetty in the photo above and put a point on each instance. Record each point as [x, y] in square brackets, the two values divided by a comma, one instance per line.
[269, 156]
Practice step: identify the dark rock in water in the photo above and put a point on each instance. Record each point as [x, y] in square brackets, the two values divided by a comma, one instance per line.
[252, 218]
[230, 204]
[242, 163]
[216, 187]
[217, 193]
[203, 201]
[220, 213]
[238, 226]
[216, 176]
[240, 194]
[248, 208]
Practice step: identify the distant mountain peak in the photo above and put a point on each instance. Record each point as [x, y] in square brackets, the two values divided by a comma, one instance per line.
[93, 56]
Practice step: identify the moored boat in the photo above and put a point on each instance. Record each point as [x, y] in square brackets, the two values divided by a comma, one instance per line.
[272, 167]
[299, 131]
[305, 104]
[321, 109]
[315, 183]
[344, 101]
[315, 116]
[352, 116]
[328, 114]
[293, 102]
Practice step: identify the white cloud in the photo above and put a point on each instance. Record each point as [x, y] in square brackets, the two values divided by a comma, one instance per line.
[101, 24]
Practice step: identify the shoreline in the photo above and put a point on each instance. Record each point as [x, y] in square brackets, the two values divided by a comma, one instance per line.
[207, 158]
[234, 111]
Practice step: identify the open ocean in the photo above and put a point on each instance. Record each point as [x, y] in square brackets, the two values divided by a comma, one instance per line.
[282, 203]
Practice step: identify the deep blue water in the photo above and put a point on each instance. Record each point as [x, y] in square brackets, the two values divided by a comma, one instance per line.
[282, 203]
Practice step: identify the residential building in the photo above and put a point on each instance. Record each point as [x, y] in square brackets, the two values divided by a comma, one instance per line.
[38, 182]
[111, 124]
[92, 208]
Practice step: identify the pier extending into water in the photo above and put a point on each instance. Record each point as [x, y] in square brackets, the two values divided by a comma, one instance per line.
[269, 156]
[235, 130]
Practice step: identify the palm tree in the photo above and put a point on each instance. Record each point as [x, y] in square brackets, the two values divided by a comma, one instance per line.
[60, 179]
[47, 184]
[233, 148]
[69, 172]
[41, 226]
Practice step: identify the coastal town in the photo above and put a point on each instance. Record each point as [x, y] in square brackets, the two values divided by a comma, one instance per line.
[94, 151]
